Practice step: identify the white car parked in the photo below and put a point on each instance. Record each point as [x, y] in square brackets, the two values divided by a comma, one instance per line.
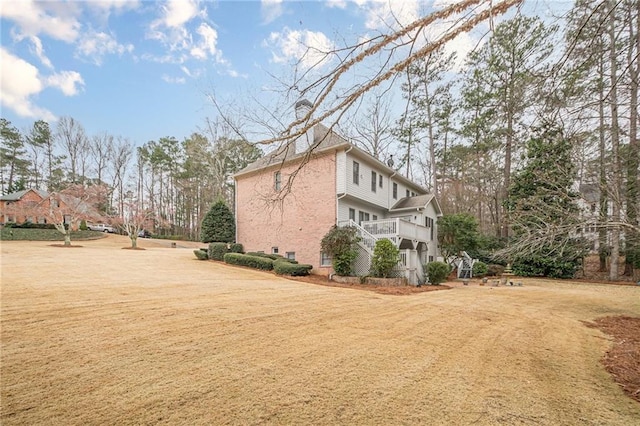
[102, 227]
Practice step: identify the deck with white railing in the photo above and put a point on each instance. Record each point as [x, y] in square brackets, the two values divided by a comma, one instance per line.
[396, 228]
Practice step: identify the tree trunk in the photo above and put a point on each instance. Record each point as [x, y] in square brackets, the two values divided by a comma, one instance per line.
[603, 210]
[615, 148]
[632, 239]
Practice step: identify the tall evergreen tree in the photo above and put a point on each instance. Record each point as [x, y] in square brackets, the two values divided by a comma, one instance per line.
[218, 225]
[543, 208]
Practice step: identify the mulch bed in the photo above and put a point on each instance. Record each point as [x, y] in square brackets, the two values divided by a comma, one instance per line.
[623, 359]
[393, 290]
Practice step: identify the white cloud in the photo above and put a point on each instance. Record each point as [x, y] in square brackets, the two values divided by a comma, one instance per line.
[271, 10]
[38, 50]
[339, 4]
[176, 13]
[19, 81]
[95, 45]
[207, 44]
[67, 81]
[394, 14]
[310, 48]
[173, 80]
[57, 20]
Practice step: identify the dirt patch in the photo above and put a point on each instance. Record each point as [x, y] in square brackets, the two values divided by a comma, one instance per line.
[133, 248]
[623, 359]
[65, 246]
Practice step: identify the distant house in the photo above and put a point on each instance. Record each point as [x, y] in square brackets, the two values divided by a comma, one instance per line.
[340, 184]
[30, 205]
[18, 207]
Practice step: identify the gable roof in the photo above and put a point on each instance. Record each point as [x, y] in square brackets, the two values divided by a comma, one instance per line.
[16, 196]
[324, 139]
[419, 201]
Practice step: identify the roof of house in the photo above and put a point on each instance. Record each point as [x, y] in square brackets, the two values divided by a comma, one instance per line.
[323, 139]
[16, 196]
[416, 202]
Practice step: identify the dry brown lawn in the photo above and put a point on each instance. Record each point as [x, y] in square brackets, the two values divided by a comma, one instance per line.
[100, 335]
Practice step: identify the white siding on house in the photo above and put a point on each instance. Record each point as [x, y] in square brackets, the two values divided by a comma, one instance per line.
[341, 172]
[344, 206]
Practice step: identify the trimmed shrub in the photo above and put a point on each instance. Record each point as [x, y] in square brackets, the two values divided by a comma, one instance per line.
[480, 269]
[218, 224]
[340, 244]
[201, 254]
[256, 262]
[83, 225]
[437, 272]
[217, 251]
[266, 255]
[283, 267]
[385, 258]
[236, 248]
[494, 270]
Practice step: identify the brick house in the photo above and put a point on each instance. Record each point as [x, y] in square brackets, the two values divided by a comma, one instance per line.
[18, 207]
[339, 184]
[29, 205]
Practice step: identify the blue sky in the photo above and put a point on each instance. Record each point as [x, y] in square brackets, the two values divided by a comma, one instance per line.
[143, 69]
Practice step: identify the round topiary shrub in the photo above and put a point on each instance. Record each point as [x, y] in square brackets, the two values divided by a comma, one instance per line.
[283, 267]
[217, 251]
[480, 269]
[385, 258]
[437, 272]
[201, 254]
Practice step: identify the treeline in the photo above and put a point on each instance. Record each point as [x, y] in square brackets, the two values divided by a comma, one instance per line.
[531, 92]
[177, 181]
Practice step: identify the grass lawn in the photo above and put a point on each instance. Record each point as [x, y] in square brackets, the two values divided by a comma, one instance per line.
[101, 335]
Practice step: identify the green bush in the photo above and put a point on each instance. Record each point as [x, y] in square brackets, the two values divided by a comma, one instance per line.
[218, 224]
[201, 254]
[267, 255]
[385, 258]
[284, 267]
[480, 269]
[438, 272]
[217, 251]
[83, 225]
[494, 270]
[236, 248]
[340, 244]
[256, 262]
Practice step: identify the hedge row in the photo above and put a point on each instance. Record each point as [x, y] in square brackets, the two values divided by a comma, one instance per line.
[286, 267]
[256, 262]
[280, 265]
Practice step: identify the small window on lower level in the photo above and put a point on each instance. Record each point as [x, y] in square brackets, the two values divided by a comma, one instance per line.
[274, 250]
[325, 259]
[291, 255]
[430, 258]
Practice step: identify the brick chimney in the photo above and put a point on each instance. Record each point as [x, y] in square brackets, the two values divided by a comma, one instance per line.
[304, 141]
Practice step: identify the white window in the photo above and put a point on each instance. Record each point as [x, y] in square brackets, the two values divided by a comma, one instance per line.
[277, 177]
[380, 178]
[407, 193]
[352, 214]
[395, 191]
[291, 255]
[325, 259]
[374, 179]
[356, 173]
[274, 250]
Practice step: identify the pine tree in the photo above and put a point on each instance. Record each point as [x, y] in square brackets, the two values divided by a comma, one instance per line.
[218, 225]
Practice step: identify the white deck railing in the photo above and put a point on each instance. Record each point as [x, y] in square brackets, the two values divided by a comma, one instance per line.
[396, 228]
